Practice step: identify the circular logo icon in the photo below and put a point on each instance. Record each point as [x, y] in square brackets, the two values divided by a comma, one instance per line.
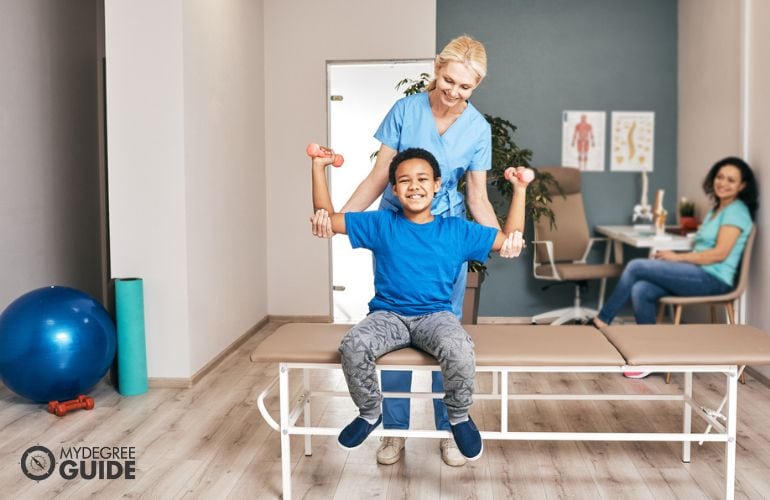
[37, 463]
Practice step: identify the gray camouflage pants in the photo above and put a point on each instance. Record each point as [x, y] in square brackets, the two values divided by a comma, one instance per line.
[438, 334]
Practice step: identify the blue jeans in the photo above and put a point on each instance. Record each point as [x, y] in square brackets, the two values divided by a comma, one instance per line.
[395, 411]
[645, 281]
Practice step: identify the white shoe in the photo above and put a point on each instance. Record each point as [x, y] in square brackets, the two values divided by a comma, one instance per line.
[390, 450]
[450, 454]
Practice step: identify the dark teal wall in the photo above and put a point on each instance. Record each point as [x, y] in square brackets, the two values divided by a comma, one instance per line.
[547, 56]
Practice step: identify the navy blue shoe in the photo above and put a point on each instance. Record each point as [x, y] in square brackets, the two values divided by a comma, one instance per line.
[468, 439]
[356, 432]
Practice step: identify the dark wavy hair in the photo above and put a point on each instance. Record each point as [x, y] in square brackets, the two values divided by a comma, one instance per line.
[410, 154]
[750, 193]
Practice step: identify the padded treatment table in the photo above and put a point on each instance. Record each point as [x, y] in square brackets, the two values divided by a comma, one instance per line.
[505, 349]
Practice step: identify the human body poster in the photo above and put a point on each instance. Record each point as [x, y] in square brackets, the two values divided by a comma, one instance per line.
[582, 140]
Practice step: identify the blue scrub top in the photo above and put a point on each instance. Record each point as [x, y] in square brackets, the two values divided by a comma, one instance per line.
[466, 145]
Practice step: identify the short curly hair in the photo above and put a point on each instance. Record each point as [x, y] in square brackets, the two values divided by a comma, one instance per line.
[411, 154]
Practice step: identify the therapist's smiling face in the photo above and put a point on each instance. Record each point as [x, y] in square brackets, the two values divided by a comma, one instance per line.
[455, 83]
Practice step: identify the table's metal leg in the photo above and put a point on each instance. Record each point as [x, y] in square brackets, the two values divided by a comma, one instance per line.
[602, 290]
[732, 425]
[503, 401]
[306, 412]
[283, 385]
[618, 251]
[603, 282]
[687, 419]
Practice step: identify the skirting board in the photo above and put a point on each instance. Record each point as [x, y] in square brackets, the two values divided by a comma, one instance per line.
[505, 320]
[169, 383]
[186, 383]
[758, 375]
[302, 319]
[227, 351]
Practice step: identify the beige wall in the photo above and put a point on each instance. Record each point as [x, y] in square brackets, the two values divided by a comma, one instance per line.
[300, 36]
[709, 91]
[759, 157]
[185, 129]
[715, 121]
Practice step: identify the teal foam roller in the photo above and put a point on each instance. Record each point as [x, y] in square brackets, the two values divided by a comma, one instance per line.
[129, 318]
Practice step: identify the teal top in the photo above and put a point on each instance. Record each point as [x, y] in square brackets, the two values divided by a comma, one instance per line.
[735, 214]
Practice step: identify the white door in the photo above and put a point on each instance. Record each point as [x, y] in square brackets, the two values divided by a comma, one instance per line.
[360, 94]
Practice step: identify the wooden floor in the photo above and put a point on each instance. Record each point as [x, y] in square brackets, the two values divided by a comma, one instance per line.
[210, 442]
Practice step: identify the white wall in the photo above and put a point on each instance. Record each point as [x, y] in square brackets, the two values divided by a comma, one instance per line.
[300, 36]
[224, 166]
[184, 92]
[145, 141]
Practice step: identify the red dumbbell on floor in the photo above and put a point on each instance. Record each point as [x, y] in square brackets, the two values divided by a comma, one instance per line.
[61, 408]
[315, 151]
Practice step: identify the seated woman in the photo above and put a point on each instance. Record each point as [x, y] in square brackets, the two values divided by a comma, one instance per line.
[710, 268]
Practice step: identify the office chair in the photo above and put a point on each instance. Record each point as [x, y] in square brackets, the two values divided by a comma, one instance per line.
[561, 251]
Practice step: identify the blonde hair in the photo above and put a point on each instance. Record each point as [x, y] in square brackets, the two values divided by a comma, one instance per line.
[465, 50]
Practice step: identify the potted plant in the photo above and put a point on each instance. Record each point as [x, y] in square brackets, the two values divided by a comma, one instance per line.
[687, 220]
[505, 153]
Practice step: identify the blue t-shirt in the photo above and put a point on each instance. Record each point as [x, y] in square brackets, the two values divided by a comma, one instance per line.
[735, 214]
[466, 145]
[416, 265]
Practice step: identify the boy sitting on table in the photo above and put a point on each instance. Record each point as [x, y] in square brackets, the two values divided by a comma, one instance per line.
[417, 257]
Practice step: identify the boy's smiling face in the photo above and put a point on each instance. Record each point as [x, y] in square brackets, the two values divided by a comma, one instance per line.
[415, 186]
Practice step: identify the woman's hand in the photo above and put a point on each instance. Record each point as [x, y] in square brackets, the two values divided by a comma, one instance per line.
[321, 224]
[668, 255]
[512, 245]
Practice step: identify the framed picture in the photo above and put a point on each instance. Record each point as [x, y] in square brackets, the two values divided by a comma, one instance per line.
[633, 141]
[582, 140]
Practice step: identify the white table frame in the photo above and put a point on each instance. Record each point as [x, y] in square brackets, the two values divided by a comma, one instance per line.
[725, 433]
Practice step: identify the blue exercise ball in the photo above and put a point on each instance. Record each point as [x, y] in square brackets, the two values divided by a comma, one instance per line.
[55, 343]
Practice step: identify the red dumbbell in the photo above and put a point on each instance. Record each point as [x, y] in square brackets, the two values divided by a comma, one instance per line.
[315, 151]
[61, 408]
[525, 175]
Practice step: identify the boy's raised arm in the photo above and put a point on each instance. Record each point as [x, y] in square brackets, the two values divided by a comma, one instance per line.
[520, 177]
[322, 202]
